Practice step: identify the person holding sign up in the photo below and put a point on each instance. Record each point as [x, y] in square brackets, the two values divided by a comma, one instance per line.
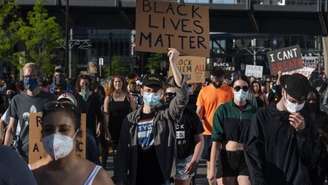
[60, 127]
[147, 145]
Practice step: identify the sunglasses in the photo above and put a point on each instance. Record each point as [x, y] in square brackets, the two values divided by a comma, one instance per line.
[169, 94]
[55, 105]
[244, 88]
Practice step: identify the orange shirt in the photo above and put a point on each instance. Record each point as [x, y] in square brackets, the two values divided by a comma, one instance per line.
[210, 98]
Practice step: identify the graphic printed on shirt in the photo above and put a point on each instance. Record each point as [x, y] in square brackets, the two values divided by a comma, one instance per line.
[145, 134]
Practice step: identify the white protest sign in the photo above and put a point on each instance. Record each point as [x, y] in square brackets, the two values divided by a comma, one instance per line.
[253, 70]
[101, 61]
[306, 71]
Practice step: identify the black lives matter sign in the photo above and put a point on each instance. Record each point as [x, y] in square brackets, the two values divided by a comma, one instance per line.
[285, 59]
[162, 25]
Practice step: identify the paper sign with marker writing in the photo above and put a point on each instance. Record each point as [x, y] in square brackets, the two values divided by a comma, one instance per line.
[253, 70]
[36, 149]
[193, 68]
[285, 59]
[161, 25]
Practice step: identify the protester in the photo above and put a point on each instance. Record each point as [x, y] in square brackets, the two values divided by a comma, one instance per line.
[147, 143]
[282, 137]
[5, 117]
[32, 100]
[13, 170]
[135, 93]
[230, 124]
[319, 171]
[91, 105]
[209, 99]
[189, 138]
[256, 90]
[60, 127]
[117, 105]
[59, 84]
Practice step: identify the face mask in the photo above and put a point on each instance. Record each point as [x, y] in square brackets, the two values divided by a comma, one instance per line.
[85, 93]
[58, 145]
[152, 99]
[293, 107]
[30, 83]
[240, 96]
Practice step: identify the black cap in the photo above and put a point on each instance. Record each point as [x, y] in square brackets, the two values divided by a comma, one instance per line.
[217, 72]
[296, 86]
[153, 81]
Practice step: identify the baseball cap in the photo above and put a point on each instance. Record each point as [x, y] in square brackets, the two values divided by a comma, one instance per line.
[68, 96]
[59, 69]
[296, 85]
[152, 81]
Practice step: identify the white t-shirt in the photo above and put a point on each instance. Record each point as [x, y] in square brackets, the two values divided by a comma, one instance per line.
[6, 117]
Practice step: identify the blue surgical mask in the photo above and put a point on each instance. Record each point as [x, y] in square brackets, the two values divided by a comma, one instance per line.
[240, 96]
[152, 99]
[30, 83]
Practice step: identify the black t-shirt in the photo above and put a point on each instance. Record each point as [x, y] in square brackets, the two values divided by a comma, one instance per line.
[187, 128]
[20, 108]
[148, 168]
[13, 170]
[93, 109]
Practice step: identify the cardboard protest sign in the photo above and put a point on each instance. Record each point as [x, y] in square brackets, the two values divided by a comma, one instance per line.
[193, 68]
[253, 70]
[36, 149]
[161, 25]
[285, 59]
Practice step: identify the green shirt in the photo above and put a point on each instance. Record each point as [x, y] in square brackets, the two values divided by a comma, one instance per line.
[230, 123]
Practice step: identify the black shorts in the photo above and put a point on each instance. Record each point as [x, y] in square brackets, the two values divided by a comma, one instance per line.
[206, 155]
[231, 164]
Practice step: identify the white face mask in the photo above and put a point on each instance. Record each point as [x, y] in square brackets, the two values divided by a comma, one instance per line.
[58, 145]
[240, 96]
[293, 107]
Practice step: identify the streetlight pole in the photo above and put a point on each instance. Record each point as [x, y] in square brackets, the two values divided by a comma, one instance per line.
[67, 32]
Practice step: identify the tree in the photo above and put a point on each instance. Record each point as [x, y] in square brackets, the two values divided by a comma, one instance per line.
[117, 67]
[41, 36]
[154, 62]
[9, 25]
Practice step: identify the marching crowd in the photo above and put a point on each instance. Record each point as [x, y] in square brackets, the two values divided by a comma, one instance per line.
[249, 131]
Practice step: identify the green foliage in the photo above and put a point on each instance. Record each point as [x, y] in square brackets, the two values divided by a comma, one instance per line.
[9, 25]
[117, 67]
[41, 36]
[154, 62]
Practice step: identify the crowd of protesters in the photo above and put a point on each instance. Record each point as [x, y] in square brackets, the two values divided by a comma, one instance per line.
[250, 131]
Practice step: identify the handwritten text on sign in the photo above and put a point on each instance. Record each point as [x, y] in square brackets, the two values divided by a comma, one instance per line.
[36, 150]
[193, 68]
[253, 70]
[163, 25]
[285, 59]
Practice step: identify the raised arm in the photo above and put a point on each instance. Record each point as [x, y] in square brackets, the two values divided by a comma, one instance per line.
[180, 101]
